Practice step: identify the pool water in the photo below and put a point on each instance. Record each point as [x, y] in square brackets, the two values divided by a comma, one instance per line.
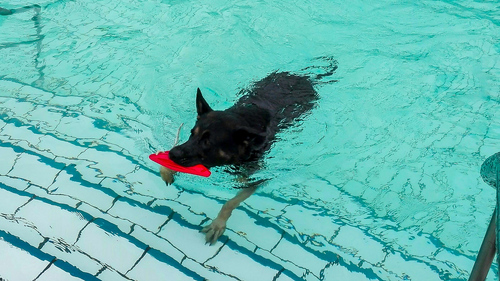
[379, 182]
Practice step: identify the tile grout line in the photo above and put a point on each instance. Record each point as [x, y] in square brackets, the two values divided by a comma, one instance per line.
[169, 218]
[100, 271]
[45, 269]
[17, 210]
[113, 203]
[81, 230]
[216, 253]
[322, 272]
[277, 243]
[45, 240]
[142, 256]
[278, 274]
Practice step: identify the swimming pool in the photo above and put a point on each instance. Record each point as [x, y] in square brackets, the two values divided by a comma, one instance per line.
[380, 182]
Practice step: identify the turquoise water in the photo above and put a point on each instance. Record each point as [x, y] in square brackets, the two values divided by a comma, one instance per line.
[380, 182]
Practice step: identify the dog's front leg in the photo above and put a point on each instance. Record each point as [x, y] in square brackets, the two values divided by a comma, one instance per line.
[167, 175]
[218, 225]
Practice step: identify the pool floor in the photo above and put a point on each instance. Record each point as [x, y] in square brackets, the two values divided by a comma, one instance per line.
[80, 210]
[77, 206]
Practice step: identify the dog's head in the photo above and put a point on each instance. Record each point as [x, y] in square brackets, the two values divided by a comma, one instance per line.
[218, 138]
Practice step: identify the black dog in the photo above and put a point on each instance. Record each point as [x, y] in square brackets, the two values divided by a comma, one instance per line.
[242, 133]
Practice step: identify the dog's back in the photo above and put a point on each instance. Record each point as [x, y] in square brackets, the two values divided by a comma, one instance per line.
[245, 131]
[286, 96]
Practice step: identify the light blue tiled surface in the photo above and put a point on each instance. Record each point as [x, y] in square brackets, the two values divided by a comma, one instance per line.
[379, 183]
[82, 206]
[98, 220]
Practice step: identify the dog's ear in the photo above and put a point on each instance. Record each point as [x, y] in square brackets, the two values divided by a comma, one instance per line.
[202, 106]
[250, 137]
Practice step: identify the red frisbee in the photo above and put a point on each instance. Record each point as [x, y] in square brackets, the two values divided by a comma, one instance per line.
[163, 159]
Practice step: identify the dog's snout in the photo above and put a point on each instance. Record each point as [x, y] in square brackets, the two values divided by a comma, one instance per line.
[184, 155]
[175, 154]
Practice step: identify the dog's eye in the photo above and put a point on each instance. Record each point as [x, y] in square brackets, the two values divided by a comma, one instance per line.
[195, 131]
[205, 139]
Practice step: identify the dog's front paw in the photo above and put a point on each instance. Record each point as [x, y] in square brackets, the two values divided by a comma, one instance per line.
[214, 230]
[167, 175]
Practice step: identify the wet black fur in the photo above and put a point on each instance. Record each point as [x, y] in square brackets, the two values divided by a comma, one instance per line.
[245, 131]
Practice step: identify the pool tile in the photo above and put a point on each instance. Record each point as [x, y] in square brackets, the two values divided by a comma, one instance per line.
[170, 193]
[10, 201]
[265, 205]
[296, 254]
[15, 107]
[311, 221]
[32, 168]
[350, 238]
[15, 134]
[85, 125]
[241, 240]
[289, 265]
[189, 241]
[337, 272]
[125, 189]
[415, 244]
[72, 255]
[34, 94]
[229, 261]
[112, 275]
[17, 183]
[122, 223]
[405, 268]
[65, 185]
[493, 132]
[58, 198]
[109, 248]
[200, 204]
[22, 229]
[149, 184]
[58, 147]
[108, 164]
[183, 210]
[459, 264]
[9, 156]
[55, 273]
[159, 243]
[15, 266]
[52, 221]
[264, 237]
[66, 101]
[149, 268]
[9, 88]
[240, 223]
[135, 213]
[84, 169]
[123, 112]
[284, 277]
[208, 272]
[45, 118]
[310, 277]
[120, 141]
